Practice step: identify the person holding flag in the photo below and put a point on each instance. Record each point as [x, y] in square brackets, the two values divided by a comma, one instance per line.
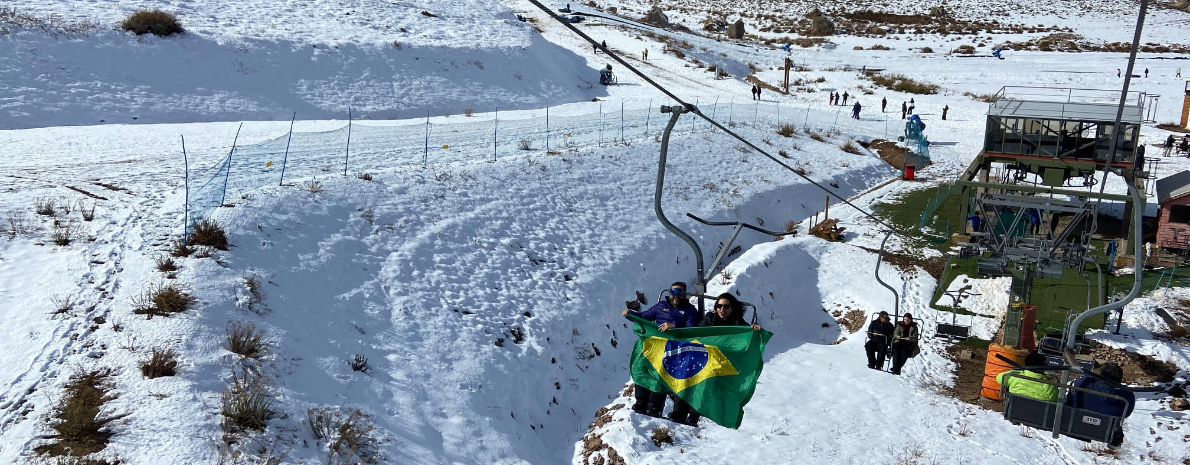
[673, 312]
[712, 370]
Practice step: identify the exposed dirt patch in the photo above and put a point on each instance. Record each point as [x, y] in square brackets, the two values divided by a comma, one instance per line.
[908, 265]
[853, 320]
[890, 152]
[88, 194]
[970, 363]
[1138, 369]
[1173, 127]
[752, 79]
[595, 451]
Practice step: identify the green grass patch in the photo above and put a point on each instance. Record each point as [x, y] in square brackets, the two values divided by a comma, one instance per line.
[905, 212]
[975, 343]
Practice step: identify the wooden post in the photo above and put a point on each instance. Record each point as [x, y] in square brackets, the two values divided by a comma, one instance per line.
[1186, 107]
[787, 77]
[826, 213]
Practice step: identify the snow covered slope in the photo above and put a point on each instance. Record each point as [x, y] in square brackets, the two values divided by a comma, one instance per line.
[262, 61]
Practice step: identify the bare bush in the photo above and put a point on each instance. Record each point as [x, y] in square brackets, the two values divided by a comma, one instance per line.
[348, 433]
[364, 176]
[313, 186]
[246, 404]
[52, 24]
[662, 435]
[180, 249]
[162, 362]
[166, 264]
[63, 233]
[161, 300]
[850, 146]
[156, 22]
[45, 206]
[81, 429]
[244, 339]
[468, 112]
[525, 144]
[787, 130]
[901, 83]
[209, 233]
[87, 210]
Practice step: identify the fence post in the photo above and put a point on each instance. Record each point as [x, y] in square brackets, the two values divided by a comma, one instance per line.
[730, 108]
[186, 208]
[223, 198]
[495, 127]
[715, 107]
[547, 129]
[756, 114]
[284, 161]
[621, 121]
[693, 120]
[806, 124]
[345, 157]
[425, 158]
[600, 124]
[778, 114]
[648, 115]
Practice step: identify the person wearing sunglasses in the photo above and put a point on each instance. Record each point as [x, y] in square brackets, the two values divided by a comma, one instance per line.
[880, 333]
[675, 311]
[727, 312]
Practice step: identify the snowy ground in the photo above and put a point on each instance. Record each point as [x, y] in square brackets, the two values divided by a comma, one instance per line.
[486, 295]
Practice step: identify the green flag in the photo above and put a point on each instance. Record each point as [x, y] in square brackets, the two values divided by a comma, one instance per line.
[712, 368]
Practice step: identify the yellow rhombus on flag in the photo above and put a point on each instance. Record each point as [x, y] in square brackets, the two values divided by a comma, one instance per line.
[690, 370]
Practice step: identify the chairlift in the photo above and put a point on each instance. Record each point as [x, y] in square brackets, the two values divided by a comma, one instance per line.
[953, 331]
[888, 353]
[1082, 424]
[702, 274]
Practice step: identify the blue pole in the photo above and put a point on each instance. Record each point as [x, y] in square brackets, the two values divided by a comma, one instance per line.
[495, 127]
[600, 124]
[285, 161]
[426, 156]
[186, 209]
[227, 175]
[348, 142]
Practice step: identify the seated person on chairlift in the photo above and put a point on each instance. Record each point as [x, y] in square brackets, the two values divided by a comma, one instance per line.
[904, 345]
[880, 333]
[673, 312]
[728, 312]
[1028, 388]
[1104, 405]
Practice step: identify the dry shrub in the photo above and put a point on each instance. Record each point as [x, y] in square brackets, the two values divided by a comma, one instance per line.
[180, 249]
[901, 83]
[156, 22]
[162, 300]
[348, 433]
[246, 404]
[364, 176]
[985, 98]
[926, 50]
[244, 339]
[468, 112]
[210, 234]
[787, 130]
[166, 265]
[63, 233]
[163, 362]
[359, 363]
[77, 419]
[816, 136]
[879, 47]
[45, 206]
[661, 436]
[850, 146]
[53, 25]
[964, 49]
[525, 144]
[314, 186]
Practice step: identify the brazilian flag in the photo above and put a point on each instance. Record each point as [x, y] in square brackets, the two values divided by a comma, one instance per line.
[712, 368]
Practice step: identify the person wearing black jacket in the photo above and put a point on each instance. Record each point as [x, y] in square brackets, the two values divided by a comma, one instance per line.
[727, 312]
[905, 336]
[879, 335]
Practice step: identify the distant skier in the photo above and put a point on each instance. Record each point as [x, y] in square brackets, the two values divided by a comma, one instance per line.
[1179, 72]
[758, 92]
[754, 92]
[1118, 73]
[904, 109]
[644, 54]
[855, 110]
[911, 106]
[830, 98]
[944, 110]
[844, 97]
[1146, 73]
[1168, 146]
[883, 104]
[996, 53]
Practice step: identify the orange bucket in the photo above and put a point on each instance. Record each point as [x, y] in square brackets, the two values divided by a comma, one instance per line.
[995, 366]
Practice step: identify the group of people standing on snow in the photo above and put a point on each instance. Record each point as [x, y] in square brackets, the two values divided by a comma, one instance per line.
[1183, 146]
[901, 338]
[835, 98]
[676, 311]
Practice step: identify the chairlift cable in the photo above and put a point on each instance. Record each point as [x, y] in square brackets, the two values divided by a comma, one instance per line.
[693, 109]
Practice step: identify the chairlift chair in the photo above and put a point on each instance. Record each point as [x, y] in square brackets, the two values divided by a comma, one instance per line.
[953, 331]
[1081, 424]
[888, 353]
